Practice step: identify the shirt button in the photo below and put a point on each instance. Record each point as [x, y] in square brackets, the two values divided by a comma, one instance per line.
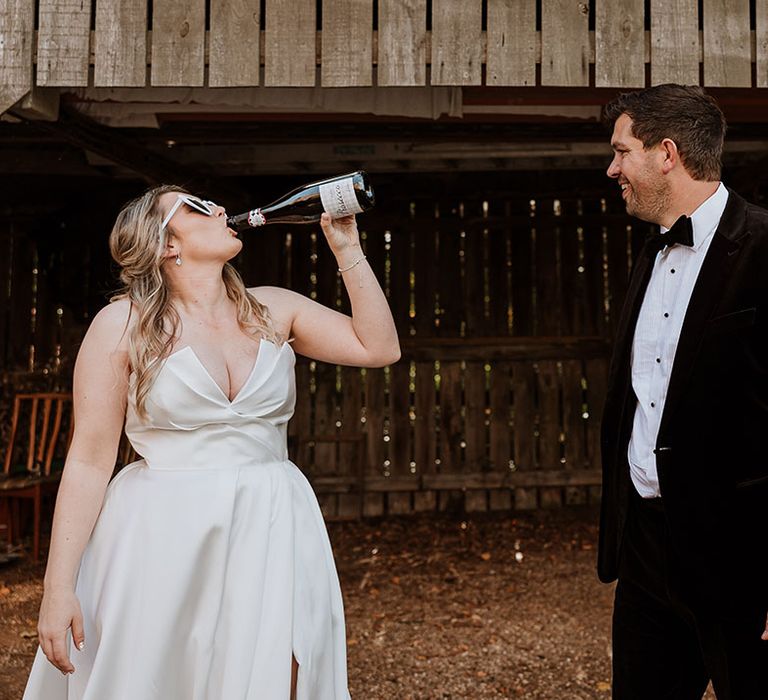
[658, 359]
[653, 404]
[666, 315]
[672, 270]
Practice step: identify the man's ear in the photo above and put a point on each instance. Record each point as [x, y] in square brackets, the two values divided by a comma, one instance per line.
[670, 155]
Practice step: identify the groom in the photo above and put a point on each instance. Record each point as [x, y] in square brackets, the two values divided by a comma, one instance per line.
[684, 521]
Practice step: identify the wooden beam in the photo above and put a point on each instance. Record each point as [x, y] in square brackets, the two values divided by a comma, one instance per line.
[506, 348]
[459, 481]
[112, 144]
[88, 134]
[39, 104]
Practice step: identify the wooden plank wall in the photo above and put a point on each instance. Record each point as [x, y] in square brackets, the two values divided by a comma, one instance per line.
[346, 43]
[503, 307]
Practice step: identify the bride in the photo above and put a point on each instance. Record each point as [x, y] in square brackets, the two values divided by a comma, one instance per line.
[203, 571]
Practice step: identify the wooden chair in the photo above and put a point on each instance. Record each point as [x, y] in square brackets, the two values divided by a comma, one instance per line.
[33, 461]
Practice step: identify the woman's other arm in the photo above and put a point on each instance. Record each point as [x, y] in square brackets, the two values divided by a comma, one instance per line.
[99, 401]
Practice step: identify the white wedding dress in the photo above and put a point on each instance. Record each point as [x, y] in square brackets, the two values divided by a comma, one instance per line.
[210, 563]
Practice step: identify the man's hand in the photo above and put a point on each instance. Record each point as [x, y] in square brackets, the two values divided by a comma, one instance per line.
[764, 635]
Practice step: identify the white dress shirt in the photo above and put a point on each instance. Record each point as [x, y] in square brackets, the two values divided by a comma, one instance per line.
[657, 332]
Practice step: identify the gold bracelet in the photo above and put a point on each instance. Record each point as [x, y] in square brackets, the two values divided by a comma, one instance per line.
[357, 262]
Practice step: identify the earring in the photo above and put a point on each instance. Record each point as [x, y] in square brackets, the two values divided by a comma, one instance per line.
[178, 259]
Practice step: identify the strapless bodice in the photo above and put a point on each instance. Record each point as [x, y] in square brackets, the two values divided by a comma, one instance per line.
[192, 424]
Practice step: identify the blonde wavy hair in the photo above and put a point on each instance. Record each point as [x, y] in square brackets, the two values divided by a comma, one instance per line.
[136, 244]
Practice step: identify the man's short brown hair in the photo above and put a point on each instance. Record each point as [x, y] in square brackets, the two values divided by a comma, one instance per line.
[683, 113]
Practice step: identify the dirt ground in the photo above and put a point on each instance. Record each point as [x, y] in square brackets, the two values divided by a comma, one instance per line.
[483, 607]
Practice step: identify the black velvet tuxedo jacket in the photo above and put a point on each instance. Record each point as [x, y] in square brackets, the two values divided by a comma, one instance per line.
[712, 447]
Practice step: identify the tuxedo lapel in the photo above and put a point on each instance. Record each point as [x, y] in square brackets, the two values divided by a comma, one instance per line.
[717, 266]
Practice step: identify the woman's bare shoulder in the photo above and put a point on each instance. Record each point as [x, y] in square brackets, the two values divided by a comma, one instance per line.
[280, 302]
[112, 324]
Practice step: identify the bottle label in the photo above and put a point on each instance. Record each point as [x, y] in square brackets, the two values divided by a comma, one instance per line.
[339, 198]
[256, 218]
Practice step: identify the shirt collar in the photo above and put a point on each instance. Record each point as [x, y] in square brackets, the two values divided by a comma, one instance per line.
[706, 218]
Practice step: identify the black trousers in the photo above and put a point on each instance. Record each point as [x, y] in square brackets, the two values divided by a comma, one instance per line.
[667, 644]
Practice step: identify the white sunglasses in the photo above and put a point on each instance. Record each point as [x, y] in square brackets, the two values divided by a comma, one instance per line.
[203, 206]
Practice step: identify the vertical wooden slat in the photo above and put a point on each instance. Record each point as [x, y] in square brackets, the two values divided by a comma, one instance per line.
[597, 382]
[402, 42]
[457, 42]
[44, 428]
[425, 439]
[17, 29]
[63, 42]
[289, 43]
[54, 435]
[376, 408]
[549, 322]
[351, 458]
[374, 426]
[347, 43]
[548, 388]
[474, 394]
[498, 273]
[511, 35]
[399, 390]
[426, 282]
[449, 284]
[451, 433]
[6, 272]
[522, 281]
[399, 274]
[120, 43]
[619, 44]
[234, 36]
[547, 282]
[178, 42]
[593, 323]
[474, 431]
[761, 35]
[574, 426]
[326, 413]
[727, 52]
[20, 300]
[564, 42]
[572, 298]
[474, 283]
[500, 430]
[400, 433]
[299, 427]
[32, 435]
[674, 42]
[45, 314]
[523, 380]
[618, 270]
[325, 426]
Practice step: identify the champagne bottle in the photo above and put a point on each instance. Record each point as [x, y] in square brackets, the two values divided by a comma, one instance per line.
[338, 196]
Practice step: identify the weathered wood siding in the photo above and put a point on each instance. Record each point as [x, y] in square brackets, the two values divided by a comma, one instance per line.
[344, 43]
[504, 306]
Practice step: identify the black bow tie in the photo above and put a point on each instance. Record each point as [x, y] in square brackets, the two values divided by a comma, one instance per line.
[681, 233]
